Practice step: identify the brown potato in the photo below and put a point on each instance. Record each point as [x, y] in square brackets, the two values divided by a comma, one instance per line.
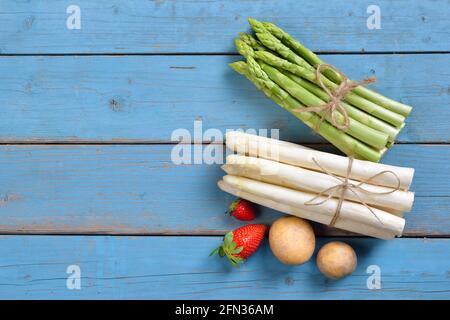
[292, 240]
[336, 260]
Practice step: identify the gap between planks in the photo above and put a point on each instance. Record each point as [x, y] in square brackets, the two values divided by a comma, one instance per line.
[321, 231]
[207, 53]
[166, 142]
[202, 234]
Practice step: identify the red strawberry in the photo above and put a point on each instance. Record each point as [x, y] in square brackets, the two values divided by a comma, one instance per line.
[241, 243]
[242, 210]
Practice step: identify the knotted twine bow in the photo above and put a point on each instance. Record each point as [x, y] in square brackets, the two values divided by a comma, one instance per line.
[346, 185]
[336, 97]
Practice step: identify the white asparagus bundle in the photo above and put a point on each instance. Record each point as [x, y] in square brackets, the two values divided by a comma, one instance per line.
[341, 224]
[300, 156]
[298, 178]
[353, 216]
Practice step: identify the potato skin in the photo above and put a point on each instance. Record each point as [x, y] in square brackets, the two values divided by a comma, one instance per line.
[336, 260]
[292, 240]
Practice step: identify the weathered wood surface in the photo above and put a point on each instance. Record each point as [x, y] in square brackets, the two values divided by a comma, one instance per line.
[145, 98]
[136, 189]
[179, 268]
[73, 87]
[171, 26]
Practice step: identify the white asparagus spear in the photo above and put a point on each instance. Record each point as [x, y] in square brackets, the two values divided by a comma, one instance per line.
[297, 155]
[350, 211]
[340, 224]
[315, 182]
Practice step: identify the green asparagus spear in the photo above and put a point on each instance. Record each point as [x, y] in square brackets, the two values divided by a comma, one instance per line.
[250, 41]
[304, 52]
[383, 101]
[281, 63]
[341, 140]
[374, 138]
[256, 25]
[353, 112]
[356, 129]
[314, 60]
[368, 106]
[310, 75]
[253, 43]
[243, 48]
[274, 44]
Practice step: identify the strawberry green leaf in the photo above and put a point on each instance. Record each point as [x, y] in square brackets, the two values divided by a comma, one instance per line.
[236, 261]
[228, 239]
[215, 251]
[233, 206]
[238, 250]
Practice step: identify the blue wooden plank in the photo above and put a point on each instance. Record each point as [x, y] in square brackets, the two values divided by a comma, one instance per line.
[145, 98]
[205, 26]
[179, 268]
[136, 189]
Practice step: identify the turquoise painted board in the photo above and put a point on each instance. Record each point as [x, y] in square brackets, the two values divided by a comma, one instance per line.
[136, 189]
[145, 98]
[163, 26]
[33, 267]
[86, 118]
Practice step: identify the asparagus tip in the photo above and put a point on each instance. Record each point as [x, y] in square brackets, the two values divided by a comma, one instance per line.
[268, 24]
[256, 25]
[237, 42]
[251, 20]
[243, 48]
[238, 66]
[242, 35]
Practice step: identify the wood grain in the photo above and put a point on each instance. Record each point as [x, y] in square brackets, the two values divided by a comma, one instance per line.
[71, 87]
[179, 268]
[145, 98]
[170, 26]
[136, 189]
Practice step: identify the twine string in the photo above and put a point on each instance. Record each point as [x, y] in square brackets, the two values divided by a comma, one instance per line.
[334, 106]
[345, 185]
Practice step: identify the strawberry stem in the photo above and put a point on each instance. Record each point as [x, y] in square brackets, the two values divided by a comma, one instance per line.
[228, 248]
[233, 206]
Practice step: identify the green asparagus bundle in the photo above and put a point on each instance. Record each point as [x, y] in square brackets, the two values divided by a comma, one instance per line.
[363, 123]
